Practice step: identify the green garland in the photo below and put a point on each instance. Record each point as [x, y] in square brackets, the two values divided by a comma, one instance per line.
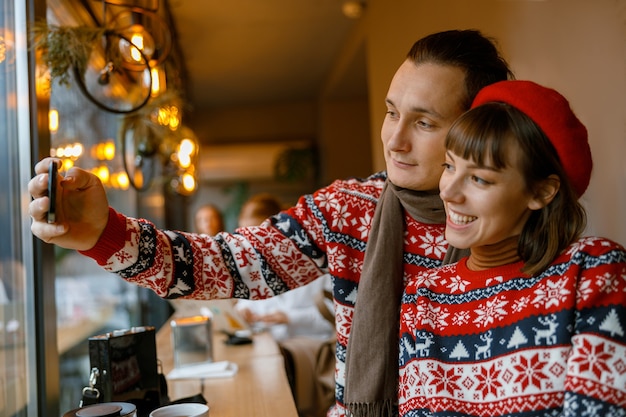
[64, 47]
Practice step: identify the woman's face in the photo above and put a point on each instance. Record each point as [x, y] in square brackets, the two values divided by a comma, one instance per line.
[208, 221]
[484, 205]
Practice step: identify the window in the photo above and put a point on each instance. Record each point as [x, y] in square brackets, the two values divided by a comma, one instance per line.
[17, 373]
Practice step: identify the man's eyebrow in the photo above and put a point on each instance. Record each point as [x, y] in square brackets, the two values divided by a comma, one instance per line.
[417, 109]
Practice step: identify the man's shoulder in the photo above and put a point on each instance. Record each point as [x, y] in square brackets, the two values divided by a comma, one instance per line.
[367, 184]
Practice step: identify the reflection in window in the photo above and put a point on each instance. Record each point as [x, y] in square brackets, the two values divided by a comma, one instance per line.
[14, 373]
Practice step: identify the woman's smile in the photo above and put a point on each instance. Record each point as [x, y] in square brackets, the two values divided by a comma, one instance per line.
[460, 219]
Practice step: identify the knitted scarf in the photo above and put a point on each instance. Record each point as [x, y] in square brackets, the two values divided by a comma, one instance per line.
[372, 354]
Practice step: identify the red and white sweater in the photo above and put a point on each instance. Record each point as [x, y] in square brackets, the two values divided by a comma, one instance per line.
[325, 232]
[500, 343]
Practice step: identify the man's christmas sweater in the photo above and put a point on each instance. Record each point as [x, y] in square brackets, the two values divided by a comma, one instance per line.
[501, 343]
[326, 231]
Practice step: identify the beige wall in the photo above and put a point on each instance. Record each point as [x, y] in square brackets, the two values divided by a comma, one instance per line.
[343, 145]
[575, 46]
[282, 121]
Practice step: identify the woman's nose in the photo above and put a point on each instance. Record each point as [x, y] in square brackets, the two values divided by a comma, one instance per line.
[450, 187]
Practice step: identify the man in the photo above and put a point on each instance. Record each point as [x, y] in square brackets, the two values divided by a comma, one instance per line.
[325, 232]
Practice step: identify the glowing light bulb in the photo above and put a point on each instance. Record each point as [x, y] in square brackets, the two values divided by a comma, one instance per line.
[187, 146]
[109, 150]
[136, 39]
[53, 120]
[77, 150]
[188, 183]
[103, 173]
[123, 181]
[158, 79]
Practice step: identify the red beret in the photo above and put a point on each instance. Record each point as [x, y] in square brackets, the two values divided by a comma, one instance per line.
[552, 113]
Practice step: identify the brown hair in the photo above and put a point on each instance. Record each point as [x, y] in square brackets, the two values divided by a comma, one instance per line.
[260, 206]
[484, 134]
[468, 50]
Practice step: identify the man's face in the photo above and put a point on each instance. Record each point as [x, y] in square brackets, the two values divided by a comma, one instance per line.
[422, 102]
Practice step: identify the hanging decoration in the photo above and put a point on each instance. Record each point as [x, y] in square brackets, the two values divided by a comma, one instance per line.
[155, 138]
[120, 66]
[113, 64]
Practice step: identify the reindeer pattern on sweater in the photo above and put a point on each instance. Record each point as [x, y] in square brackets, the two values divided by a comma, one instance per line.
[326, 231]
[500, 343]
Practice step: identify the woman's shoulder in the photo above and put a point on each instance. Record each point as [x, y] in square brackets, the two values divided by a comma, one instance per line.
[602, 249]
[596, 244]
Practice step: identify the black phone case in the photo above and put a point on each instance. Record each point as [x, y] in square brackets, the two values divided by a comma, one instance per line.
[52, 192]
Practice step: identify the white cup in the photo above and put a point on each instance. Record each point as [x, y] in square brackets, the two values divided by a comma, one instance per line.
[182, 410]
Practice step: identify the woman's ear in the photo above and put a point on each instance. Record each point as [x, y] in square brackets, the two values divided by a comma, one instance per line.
[544, 192]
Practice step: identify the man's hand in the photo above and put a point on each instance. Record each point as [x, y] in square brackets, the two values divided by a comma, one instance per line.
[82, 208]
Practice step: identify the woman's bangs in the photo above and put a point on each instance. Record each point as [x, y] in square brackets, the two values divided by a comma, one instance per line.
[481, 135]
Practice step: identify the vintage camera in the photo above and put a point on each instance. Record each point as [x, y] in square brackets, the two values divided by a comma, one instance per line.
[124, 368]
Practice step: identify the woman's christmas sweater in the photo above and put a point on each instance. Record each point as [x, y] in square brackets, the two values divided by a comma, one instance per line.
[324, 232]
[500, 343]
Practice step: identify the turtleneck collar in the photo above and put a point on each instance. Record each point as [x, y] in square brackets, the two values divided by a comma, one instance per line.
[491, 256]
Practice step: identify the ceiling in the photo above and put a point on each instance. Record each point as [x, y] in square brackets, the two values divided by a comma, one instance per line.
[239, 53]
[254, 52]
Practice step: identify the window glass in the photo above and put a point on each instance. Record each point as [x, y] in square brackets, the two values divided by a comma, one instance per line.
[15, 318]
[90, 301]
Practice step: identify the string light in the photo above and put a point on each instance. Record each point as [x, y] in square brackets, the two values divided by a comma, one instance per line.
[53, 120]
[137, 39]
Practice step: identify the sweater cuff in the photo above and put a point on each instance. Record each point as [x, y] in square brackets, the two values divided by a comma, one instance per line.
[112, 239]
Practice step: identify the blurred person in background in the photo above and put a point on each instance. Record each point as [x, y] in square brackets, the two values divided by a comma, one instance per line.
[209, 220]
[290, 314]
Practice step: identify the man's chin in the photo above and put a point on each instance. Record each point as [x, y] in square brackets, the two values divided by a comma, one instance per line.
[413, 180]
[405, 181]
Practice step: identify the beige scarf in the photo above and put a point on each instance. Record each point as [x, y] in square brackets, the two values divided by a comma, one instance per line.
[372, 356]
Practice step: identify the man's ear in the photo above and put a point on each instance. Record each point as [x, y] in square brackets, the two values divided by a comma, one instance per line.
[545, 191]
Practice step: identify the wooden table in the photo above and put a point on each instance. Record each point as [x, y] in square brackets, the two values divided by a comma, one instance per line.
[70, 335]
[259, 388]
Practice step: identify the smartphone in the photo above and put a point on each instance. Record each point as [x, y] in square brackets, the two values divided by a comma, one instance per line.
[52, 191]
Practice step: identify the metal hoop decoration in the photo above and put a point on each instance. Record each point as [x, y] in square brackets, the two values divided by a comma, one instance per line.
[126, 126]
[81, 82]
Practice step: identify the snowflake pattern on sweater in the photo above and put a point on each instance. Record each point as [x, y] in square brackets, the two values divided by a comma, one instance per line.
[325, 231]
[500, 343]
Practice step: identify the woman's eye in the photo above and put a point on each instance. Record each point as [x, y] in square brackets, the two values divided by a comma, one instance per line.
[447, 166]
[479, 180]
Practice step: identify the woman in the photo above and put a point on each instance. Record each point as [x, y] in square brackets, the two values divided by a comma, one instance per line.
[209, 220]
[533, 322]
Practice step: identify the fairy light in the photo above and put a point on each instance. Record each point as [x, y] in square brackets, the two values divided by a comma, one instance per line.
[53, 120]
[188, 183]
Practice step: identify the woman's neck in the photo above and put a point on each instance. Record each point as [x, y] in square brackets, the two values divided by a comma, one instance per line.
[491, 256]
